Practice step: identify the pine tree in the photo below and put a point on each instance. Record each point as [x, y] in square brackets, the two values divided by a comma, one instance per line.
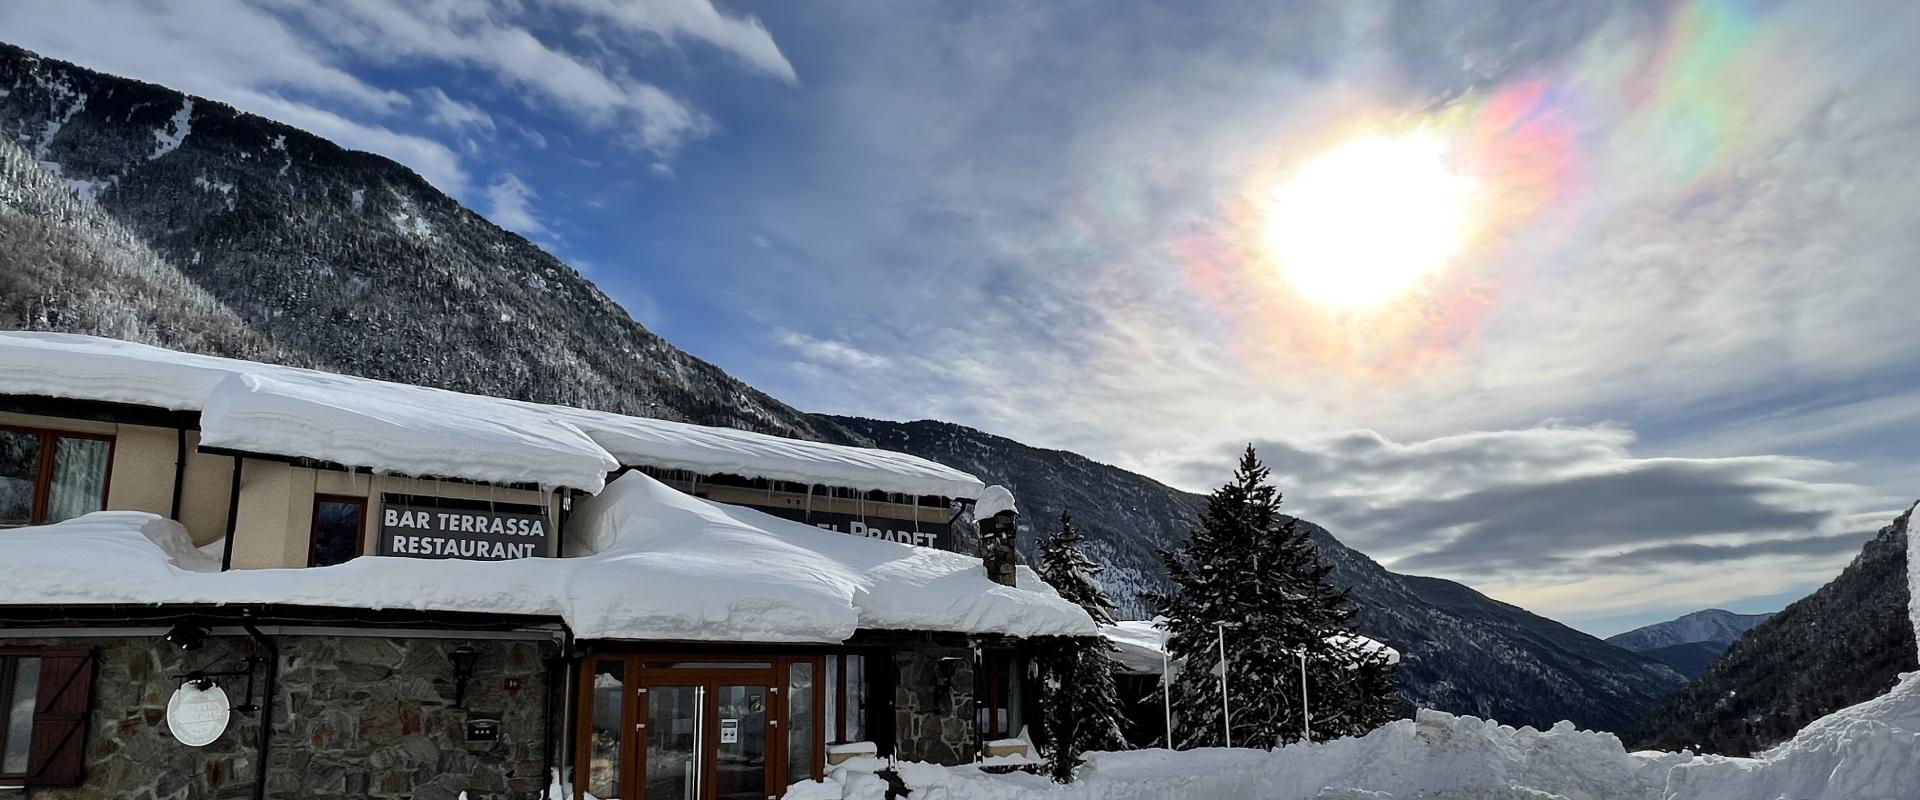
[1249, 578]
[1080, 707]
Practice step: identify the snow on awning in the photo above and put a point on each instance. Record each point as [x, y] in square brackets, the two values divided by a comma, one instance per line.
[414, 430]
[654, 564]
[1141, 645]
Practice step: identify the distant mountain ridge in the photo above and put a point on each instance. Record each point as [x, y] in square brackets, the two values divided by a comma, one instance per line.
[1712, 626]
[130, 210]
[1844, 644]
[1690, 642]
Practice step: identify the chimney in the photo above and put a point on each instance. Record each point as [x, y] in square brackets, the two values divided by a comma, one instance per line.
[997, 518]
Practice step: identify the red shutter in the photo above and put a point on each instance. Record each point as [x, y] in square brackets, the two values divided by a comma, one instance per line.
[58, 753]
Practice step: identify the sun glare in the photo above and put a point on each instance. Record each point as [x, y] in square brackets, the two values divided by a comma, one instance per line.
[1365, 221]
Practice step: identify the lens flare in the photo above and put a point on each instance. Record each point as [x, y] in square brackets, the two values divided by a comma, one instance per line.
[1367, 220]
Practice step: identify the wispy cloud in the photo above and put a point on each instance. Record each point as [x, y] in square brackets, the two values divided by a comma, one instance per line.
[510, 205]
[454, 115]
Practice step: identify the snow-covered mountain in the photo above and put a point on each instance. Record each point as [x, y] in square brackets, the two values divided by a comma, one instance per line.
[1712, 626]
[349, 260]
[1691, 642]
[1462, 652]
[130, 210]
[1845, 643]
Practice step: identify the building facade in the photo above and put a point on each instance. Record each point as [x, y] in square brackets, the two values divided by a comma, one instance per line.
[212, 549]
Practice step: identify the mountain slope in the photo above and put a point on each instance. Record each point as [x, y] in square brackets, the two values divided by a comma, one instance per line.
[1713, 626]
[1462, 651]
[348, 259]
[1841, 645]
[1690, 659]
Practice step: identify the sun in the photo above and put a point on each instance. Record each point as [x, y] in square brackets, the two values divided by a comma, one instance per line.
[1367, 220]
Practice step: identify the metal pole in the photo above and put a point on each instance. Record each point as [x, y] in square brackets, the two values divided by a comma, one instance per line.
[1306, 723]
[1166, 690]
[1226, 717]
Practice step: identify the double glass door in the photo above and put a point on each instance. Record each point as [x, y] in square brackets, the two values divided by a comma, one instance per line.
[665, 729]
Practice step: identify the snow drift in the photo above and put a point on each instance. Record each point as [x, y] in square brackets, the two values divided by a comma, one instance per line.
[651, 563]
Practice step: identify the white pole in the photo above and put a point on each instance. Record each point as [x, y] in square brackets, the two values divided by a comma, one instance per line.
[1166, 690]
[1226, 717]
[1306, 724]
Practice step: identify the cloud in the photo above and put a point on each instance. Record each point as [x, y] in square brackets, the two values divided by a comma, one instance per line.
[454, 115]
[744, 38]
[432, 160]
[1527, 511]
[829, 352]
[510, 205]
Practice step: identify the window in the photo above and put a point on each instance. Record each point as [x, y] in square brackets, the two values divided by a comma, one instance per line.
[338, 523]
[48, 477]
[43, 711]
[998, 701]
[846, 698]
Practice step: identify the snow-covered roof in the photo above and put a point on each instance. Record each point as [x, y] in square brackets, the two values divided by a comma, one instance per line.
[654, 564]
[413, 430]
[1141, 645]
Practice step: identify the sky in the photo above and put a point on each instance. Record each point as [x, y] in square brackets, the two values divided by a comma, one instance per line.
[1634, 334]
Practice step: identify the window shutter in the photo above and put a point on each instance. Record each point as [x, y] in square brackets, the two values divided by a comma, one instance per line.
[58, 753]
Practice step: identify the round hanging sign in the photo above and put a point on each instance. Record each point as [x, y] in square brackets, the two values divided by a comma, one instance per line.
[197, 716]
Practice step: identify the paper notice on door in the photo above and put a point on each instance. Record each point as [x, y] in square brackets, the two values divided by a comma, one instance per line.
[729, 731]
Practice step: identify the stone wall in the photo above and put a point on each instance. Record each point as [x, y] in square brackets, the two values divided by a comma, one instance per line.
[355, 717]
[933, 705]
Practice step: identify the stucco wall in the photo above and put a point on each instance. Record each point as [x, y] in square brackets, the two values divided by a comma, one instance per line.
[355, 717]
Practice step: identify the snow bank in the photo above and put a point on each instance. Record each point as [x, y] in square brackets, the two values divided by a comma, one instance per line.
[412, 430]
[1869, 751]
[1436, 756]
[658, 565]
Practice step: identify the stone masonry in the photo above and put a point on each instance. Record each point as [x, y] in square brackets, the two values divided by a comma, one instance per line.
[355, 717]
[933, 705]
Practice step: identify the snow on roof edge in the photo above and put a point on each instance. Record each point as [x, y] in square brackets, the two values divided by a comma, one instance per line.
[572, 442]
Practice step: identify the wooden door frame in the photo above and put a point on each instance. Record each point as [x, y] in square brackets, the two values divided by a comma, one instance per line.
[635, 706]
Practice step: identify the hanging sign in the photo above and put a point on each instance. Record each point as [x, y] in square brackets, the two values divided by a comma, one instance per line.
[197, 716]
[500, 533]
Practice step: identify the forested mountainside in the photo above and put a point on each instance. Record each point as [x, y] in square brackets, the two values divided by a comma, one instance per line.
[1691, 642]
[1463, 652]
[129, 211]
[1844, 644]
[348, 259]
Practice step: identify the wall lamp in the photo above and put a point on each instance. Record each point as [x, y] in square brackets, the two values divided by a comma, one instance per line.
[188, 636]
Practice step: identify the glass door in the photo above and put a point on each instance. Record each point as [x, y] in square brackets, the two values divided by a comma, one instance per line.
[660, 728]
[676, 738]
[740, 741]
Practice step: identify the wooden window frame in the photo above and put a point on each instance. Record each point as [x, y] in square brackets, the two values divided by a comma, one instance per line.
[359, 531]
[43, 477]
[9, 666]
[10, 656]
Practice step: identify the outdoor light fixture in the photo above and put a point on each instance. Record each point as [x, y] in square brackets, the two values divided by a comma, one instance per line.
[462, 658]
[188, 635]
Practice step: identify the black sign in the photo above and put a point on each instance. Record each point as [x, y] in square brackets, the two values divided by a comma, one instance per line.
[925, 534]
[482, 533]
[483, 730]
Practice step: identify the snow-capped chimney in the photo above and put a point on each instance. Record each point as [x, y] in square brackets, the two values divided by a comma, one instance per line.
[997, 517]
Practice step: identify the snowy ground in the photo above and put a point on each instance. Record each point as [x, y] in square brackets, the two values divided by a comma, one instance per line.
[1868, 752]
